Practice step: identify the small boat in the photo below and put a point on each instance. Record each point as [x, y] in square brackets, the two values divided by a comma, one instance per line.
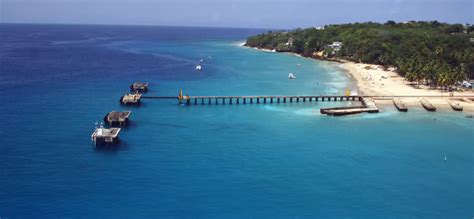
[427, 105]
[198, 67]
[455, 105]
[291, 76]
[400, 105]
[202, 60]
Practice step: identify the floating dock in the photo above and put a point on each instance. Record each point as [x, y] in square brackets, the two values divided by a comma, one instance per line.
[131, 99]
[427, 105]
[402, 107]
[140, 87]
[117, 119]
[104, 136]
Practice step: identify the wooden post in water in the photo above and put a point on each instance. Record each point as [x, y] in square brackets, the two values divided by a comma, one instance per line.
[258, 100]
[297, 99]
[271, 99]
[251, 100]
[230, 100]
[244, 100]
[264, 100]
[304, 99]
[237, 100]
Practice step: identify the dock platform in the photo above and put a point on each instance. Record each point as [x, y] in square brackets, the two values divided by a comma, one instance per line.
[131, 99]
[117, 119]
[105, 136]
[140, 87]
[368, 106]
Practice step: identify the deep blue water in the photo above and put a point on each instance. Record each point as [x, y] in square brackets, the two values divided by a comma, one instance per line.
[224, 161]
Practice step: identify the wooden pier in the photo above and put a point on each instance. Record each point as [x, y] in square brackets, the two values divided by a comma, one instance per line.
[104, 136]
[140, 87]
[131, 99]
[216, 100]
[117, 119]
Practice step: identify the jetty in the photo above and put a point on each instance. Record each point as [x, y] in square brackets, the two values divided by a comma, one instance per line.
[427, 105]
[368, 106]
[117, 119]
[400, 105]
[140, 87]
[455, 105]
[131, 99]
[208, 100]
[105, 136]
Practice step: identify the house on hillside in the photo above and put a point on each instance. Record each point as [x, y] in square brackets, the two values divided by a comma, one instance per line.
[290, 42]
[336, 46]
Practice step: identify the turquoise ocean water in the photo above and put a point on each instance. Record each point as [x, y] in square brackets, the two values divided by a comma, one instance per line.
[210, 161]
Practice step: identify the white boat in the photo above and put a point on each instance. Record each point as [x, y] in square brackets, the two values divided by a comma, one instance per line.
[199, 67]
[291, 76]
[202, 60]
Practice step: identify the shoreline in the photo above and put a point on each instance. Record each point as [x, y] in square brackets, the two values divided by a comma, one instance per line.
[373, 80]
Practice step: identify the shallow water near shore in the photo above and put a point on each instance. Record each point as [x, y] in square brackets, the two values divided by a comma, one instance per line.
[222, 161]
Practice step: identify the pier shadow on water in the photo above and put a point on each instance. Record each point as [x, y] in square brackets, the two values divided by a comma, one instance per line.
[112, 148]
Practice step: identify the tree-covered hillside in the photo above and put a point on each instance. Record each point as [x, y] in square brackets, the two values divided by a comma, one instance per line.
[437, 53]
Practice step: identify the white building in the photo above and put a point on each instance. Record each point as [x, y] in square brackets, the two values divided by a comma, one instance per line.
[336, 46]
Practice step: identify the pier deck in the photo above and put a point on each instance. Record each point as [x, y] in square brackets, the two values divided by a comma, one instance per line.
[131, 99]
[115, 118]
[140, 87]
[102, 136]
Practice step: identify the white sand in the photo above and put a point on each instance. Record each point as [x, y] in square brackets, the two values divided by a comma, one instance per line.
[376, 81]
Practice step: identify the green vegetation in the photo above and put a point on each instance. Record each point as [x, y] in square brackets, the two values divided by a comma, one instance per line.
[435, 53]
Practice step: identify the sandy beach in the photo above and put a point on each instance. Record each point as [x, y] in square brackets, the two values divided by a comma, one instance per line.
[374, 80]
